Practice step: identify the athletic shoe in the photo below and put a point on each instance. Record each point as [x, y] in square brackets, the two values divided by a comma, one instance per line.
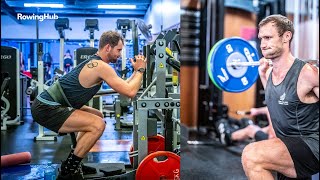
[87, 169]
[77, 175]
[224, 131]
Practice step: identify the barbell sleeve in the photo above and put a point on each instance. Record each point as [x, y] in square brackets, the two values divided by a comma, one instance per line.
[252, 63]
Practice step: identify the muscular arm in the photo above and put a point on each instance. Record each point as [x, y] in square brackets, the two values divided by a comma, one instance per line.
[264, 77]
[139, 63]
[316, 91]
[131, 77]
[264, 71]
[316, 81]
[310, 80]
[271, 132]
[128, 88]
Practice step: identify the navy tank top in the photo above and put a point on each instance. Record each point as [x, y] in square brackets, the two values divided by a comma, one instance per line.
[76, 94]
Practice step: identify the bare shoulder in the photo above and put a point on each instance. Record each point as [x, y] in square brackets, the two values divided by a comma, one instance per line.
[103, 69]
[97, 65]
[310, 73]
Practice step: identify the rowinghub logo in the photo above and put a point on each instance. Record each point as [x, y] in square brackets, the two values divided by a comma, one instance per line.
[40, 17]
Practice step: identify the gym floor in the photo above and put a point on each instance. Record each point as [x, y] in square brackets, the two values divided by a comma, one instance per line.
[210, 159]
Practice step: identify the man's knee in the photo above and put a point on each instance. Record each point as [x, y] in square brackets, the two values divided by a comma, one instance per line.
[101, 115]
[98, 125]
[250, 156]
[97, 113]
[246, 156]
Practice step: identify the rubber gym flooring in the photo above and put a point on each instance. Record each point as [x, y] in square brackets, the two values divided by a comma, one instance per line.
[210, 161]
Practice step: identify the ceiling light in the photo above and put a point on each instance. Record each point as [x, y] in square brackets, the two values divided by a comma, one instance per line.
[117, 6]
[43, 5]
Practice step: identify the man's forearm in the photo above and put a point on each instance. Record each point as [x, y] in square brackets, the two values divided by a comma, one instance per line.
[263, 78]
[135, 82]
[131, 77]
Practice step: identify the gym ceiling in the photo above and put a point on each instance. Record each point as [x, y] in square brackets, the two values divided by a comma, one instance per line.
[77, 8]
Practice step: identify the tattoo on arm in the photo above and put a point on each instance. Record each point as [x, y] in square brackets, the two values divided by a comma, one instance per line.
[92, 64]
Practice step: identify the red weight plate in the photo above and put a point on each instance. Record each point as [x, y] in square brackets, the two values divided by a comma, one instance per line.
[155, 143]
[153, 169]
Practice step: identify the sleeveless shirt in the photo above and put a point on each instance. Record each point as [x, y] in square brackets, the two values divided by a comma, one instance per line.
[291, 117]
[76, 94]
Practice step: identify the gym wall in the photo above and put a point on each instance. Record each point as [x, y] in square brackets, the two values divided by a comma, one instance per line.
[306, 28]
[243, 24]
[308, 40]
[165, 13]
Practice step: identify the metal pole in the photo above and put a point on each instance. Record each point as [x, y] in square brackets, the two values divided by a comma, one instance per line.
[61, 53]
[315, 23]
[91, 42]
[296, 27]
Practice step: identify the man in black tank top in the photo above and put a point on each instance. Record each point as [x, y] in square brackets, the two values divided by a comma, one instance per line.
[61, 108]
[292, 96]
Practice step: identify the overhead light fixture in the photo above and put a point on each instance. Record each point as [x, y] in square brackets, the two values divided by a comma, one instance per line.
[43, 5]
[117, 6]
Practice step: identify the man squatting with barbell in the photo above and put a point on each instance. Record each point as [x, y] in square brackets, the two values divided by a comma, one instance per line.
[292, 97]
[62, 107]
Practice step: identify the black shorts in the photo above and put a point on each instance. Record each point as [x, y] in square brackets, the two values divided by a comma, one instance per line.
[50, 116]
[305, 162]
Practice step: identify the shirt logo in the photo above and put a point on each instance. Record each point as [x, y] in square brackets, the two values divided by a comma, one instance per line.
[282, 99]
[70, 108]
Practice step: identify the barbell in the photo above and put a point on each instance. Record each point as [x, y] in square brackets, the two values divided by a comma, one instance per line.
[232, 64]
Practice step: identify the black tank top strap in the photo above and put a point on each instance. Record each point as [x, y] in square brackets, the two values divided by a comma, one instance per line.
[95, 56]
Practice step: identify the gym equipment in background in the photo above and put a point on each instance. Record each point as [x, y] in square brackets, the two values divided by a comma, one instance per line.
[10, 90]
[15, 159]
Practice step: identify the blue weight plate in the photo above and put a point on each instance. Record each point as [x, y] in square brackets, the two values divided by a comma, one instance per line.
[234, 79]
[209, 63]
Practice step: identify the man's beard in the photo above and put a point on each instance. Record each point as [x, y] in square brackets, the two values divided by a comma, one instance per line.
[112, 59]
[274, 54]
